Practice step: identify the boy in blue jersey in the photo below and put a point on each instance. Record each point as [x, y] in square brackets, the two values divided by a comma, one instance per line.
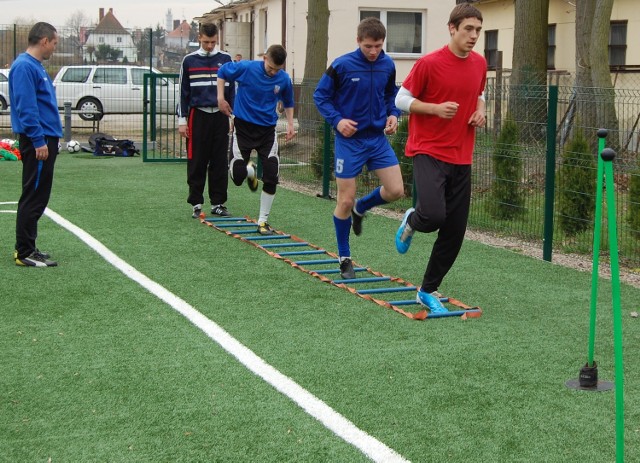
[203, 125]
[35, 119]
[260, 85]
[356, 95]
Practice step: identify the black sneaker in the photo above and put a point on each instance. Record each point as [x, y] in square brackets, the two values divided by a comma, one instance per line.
[197, 210]
[265, 229]
[356, 221]
[346, 269]
[252, 180]
[220, 210]
[35, 259]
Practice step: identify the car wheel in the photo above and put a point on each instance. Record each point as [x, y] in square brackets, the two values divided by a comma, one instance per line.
[3, 104]
[90, 109]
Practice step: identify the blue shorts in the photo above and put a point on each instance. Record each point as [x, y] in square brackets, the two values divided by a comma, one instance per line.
[354, 153]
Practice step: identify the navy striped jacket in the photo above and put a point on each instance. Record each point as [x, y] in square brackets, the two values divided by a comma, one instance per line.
[199, 81]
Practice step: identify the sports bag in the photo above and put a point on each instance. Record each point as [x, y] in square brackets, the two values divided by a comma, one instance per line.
[106, 145]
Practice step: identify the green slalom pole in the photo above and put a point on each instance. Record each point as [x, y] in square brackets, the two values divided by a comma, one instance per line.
[602, 134]
[608, 155]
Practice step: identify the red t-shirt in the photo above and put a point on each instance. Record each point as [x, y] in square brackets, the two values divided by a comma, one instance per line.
[435, 78]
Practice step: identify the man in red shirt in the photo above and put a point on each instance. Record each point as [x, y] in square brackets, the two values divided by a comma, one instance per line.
[444, 95]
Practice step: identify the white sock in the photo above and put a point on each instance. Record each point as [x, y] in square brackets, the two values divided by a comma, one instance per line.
[266, 201]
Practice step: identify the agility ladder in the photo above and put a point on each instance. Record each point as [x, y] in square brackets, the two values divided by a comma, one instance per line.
[276, 245]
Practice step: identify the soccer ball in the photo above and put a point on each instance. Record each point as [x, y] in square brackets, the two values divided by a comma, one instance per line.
[73, 146]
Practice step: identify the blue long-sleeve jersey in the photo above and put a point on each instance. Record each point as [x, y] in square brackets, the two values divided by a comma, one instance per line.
[198, 81]
[34, 109]
[258, 93]
[358, 89]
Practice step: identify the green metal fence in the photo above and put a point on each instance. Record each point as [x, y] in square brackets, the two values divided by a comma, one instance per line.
[534, 188]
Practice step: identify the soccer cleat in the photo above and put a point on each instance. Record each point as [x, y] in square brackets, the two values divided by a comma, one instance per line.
[252, 179]
[44, 254]
[265, 229]
[35, 259]
[197, 210]
[346, 269]
[356, 221]
[430, 301]
[404, 233]
[220, 210]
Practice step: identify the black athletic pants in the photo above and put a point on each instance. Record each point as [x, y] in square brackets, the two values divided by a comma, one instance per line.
[207, 156]
[444, 194]
[36, 191]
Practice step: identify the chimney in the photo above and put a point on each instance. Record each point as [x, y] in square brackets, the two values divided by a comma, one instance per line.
[176, 24]
[101, 15]
[111, 10]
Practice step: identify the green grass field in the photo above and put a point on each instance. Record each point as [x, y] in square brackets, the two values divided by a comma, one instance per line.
[95, 368]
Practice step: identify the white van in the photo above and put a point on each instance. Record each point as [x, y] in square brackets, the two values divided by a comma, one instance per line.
[4, 89]
[96, 90]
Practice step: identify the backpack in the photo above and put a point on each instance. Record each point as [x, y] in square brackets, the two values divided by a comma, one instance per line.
[106, 145]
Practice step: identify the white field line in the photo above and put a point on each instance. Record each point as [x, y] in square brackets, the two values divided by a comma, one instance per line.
[4, 203]
[342, 427]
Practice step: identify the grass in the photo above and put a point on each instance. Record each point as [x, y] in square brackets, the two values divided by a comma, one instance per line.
[94, 368]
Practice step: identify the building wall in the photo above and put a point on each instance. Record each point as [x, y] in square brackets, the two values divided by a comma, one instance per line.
[499, 14]
[343, 21]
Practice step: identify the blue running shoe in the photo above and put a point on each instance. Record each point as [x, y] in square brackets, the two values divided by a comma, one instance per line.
[404, 233]
[431, 301]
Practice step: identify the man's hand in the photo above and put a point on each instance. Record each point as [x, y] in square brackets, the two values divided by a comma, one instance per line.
[447, 110]
[347, 127]
[478, 119]
[290, 132]
[392, 125]
[184, 131]
[42, 153]
[225, 107]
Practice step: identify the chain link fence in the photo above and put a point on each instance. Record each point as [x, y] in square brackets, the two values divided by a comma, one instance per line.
[535, 163]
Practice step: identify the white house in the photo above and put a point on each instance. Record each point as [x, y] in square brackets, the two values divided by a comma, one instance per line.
[110, 32]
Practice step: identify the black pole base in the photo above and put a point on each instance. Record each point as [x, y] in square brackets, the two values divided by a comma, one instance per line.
[588, 380]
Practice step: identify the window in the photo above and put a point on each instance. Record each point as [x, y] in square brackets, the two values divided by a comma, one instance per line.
[491, 48]
[119, 39]
[110, 76]
[3, 78]
[551, 46]
[618, 43]
[76, 75]
[137, 76]
[404, 29]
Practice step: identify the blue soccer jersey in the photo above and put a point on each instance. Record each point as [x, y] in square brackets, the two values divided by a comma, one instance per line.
[258, 93]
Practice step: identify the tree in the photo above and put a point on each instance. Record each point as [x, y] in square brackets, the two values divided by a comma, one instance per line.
[91, 50]
[315, 60]
[594, 108]
[506, 191]
[528, 99]
[106, 52]
[75, 23]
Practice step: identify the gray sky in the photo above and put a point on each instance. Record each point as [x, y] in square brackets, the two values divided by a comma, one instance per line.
[130, 13]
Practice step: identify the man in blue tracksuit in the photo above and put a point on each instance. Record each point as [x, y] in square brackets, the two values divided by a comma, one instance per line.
[35, 119]
[261, 85]
[203, 125]
[356, 95]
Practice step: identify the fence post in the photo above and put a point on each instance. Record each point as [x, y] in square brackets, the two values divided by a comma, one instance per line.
[550, 173]
[67, 120]
[326, 158]
[15, 41]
